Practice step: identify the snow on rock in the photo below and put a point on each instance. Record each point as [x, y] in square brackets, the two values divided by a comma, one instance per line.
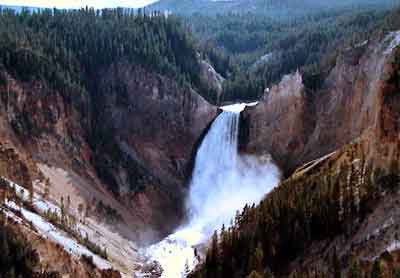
[394, 38]
[49, 231]
[122, 252]
[38, 202]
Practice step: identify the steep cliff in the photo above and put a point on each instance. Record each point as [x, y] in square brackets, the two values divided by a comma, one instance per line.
[127, 143]
[337, 215]
[146, 129]
[297, 125]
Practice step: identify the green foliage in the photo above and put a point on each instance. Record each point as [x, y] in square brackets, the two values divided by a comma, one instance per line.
[67, 47]
[67, 223]
[108, 213]
[376, 271]
[88, 260]
[396, 273]
[254, 52]
[270, 8]
[318, 205]
[355, 269]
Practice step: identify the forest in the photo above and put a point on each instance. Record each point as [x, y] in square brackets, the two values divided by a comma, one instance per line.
[303, 209]
[271, 8]
[65, 47]
[254, 52]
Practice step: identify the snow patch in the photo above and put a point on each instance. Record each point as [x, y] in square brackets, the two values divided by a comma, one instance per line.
[395, 41]
[46, 229]
[49, 231]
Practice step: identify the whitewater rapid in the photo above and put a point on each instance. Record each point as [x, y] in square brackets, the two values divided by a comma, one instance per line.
[223, 182]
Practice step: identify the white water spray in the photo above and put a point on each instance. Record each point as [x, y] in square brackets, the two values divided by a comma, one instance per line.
[222, 183]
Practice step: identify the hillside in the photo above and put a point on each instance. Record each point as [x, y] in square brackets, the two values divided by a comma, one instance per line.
[102, 115]
[255, 52]
[335, 215]
[102, 110]
[272, 8]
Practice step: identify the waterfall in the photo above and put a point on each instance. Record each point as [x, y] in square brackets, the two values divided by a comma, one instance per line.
[223, 182]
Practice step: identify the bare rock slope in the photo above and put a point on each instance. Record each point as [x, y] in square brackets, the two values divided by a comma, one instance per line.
[120, 153]
[296, 125]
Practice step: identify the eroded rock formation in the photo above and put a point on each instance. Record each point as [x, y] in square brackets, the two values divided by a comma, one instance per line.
[296, 125]
[126, 142]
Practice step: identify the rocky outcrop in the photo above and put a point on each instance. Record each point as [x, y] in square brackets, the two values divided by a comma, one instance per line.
[279, 123]
[342, 207]
[296, 125]
[211, 79]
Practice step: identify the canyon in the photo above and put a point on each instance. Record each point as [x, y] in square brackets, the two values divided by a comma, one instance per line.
[126, 149]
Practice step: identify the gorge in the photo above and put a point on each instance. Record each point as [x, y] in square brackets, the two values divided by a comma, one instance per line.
[117, 149]
[223, 182]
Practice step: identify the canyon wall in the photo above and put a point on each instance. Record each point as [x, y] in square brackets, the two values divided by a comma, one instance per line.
[297, 125]
[337, 210]
[126, 143]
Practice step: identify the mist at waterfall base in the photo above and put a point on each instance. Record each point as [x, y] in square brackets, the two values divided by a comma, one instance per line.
[223, 182]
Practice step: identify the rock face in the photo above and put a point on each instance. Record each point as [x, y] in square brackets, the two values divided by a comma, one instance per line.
[148, 130]
[296, 125]
[367, 172]
[342, 205]
[279, 124]
[127, 142]
[211, 79]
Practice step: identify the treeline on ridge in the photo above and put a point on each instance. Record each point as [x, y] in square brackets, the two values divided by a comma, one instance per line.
[254, 52]
[66, 47]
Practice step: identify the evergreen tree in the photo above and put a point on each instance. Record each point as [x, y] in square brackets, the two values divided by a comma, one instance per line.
[396, 273]
[212, 257]
[355, 269]
[376, 271]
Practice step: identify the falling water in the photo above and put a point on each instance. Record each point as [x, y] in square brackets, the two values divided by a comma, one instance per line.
[222, 183]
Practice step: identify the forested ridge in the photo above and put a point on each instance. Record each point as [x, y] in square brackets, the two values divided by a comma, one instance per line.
[65, 48]
[272, 8]
[254, 52]
[312, 207]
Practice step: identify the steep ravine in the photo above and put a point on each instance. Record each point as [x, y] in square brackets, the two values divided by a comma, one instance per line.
[129, 143]
[122, 153]
[343, 204]
[223, 181]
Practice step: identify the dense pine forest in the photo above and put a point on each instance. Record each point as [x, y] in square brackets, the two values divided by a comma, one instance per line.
[254, 52]
[251, 52]
[64, 48]
[271, 8]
